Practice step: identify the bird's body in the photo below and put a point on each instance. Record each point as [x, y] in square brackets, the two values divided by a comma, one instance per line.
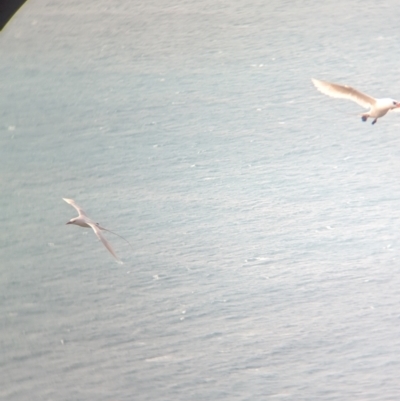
[377, 107]
[79, 221]
[84, 221]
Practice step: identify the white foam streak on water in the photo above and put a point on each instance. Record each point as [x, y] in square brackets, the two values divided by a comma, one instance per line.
[264, 216]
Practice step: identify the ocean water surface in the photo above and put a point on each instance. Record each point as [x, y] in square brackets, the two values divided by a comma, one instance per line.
[264, 217]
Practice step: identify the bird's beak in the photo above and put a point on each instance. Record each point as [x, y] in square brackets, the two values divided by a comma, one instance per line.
[68, 223]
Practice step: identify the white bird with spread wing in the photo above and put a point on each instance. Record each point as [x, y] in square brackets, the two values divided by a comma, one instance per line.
[84, 221]
[377, 107]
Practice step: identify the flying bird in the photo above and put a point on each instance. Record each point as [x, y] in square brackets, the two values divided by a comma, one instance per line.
[84, 221]
[377, 107]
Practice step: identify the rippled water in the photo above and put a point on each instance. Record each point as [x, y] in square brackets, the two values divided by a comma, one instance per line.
[264, 217]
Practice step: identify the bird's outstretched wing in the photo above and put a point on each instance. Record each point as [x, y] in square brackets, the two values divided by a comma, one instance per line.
[80, 211]
[101, 237]
[344, 92]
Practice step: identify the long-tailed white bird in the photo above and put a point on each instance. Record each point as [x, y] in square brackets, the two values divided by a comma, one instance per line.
[377, 107]
[84, 221]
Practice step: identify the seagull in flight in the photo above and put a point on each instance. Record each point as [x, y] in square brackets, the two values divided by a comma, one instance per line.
[84, 221]
[377, 107]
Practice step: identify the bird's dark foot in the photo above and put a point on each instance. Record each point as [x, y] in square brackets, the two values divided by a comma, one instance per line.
[373, 122]
[364, 118]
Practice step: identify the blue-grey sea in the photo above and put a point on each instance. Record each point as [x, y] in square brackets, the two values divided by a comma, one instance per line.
[264, 216]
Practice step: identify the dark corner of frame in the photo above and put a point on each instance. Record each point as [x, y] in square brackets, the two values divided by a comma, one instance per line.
[7, 9]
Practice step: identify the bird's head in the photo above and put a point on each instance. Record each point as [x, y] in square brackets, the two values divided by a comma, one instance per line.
[72, 221]
[394, 104]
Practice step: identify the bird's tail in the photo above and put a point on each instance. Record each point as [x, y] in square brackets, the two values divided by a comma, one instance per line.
[112, 232]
